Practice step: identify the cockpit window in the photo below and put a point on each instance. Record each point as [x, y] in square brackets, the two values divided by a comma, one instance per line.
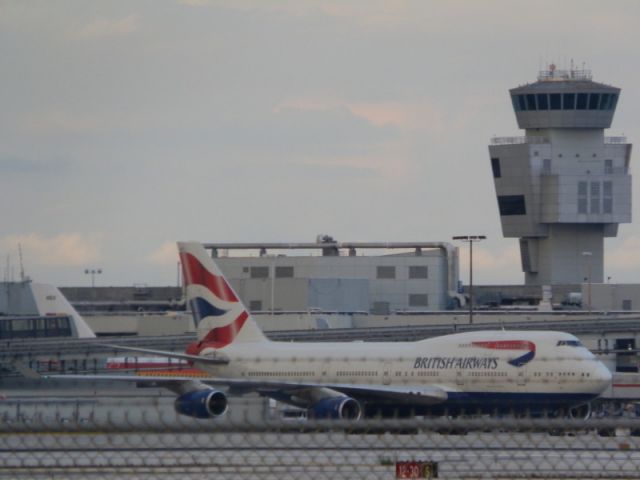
[569, 343]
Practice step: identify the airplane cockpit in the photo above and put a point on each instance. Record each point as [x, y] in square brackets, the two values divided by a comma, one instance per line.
[569, 343]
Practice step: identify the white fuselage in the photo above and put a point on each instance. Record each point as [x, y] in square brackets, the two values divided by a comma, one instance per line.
[560, 366]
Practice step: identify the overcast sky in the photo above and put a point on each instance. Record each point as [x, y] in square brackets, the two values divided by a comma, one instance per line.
[128, 125]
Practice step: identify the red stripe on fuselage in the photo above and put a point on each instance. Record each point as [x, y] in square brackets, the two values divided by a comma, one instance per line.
[507, 345]
[196, 274]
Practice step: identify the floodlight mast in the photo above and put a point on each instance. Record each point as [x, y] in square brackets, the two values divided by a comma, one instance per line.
[470, 239]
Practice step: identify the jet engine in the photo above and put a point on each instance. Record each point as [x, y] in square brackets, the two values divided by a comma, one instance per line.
[343, 408]
[206, 403]
[581, 411]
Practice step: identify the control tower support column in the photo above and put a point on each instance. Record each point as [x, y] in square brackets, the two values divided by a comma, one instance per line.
[564, 186]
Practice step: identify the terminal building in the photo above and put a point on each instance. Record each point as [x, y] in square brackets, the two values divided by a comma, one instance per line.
[344, 277]
[564, 186]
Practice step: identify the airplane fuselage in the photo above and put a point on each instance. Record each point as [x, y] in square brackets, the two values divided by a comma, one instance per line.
[478, 370]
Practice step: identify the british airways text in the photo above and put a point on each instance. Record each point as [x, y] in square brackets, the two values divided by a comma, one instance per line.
[462, 363]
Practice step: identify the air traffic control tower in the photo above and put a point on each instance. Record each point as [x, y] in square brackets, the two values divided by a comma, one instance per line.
[564, 186]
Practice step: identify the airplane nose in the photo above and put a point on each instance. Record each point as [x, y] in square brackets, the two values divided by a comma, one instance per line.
[602, 376]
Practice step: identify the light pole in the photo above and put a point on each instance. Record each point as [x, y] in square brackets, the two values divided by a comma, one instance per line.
[470, 239]
[588, 255]
[93, 272]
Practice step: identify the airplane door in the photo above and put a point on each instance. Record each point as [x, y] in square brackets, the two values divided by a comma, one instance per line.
[386, 373]
[459, 378]
[521, 379]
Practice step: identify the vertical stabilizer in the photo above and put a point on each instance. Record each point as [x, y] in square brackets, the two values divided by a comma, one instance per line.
[220, 316]
[50, 301]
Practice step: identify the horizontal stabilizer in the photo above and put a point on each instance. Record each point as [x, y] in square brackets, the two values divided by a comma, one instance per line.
[212, 357]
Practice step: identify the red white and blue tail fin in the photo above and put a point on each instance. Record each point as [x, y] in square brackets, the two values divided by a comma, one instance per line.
[220, 316]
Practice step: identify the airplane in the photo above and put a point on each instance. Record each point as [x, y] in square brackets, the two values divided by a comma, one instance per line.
[470, 372]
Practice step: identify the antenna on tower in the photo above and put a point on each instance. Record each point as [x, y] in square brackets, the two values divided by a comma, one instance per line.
[21, 263]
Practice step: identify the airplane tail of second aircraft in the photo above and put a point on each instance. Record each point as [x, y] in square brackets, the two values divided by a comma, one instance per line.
[219, 314]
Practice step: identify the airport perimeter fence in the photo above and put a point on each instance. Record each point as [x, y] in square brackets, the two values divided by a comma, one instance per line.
[145, 438]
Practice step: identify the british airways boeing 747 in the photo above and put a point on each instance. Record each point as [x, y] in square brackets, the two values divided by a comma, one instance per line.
[484, 371]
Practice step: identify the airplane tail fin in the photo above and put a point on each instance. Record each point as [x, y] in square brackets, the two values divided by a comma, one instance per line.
[220, 316]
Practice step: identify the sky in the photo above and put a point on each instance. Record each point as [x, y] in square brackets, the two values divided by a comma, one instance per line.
[128, 125]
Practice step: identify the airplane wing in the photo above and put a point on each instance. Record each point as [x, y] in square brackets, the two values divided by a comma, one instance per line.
[412, 395]
[215, 358]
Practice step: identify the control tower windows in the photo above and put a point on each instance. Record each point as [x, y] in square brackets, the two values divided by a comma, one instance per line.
[516, 104]
[582, 197]
[613, 101]
[607, 197]
[568, 101]
[542, 101]
[604, 101]
[554, 100]
[531, 101]
[522, 103]
[594, 100]
[511, 205]
[495, 167]
[595, 197]
[581, 103]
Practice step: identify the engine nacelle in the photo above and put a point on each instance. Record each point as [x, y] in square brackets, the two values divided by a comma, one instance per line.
[202, 403]
[344, 408]
[582, 412]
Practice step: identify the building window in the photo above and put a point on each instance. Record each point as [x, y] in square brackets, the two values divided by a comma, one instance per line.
[511, 205]
[259, 272]
[381, 308]
[284, 272]
[542, 101]
[531, 101]
[418, 272]
[522, 102]
[613, 101]
[604, 101]
[607, 197]
[386, 272]
[626, 305]
[594, 100]
[582, 197]
[608, 167]
[255, 305]
[594, 202]
[495, 167]
[546, 166]
[568, 101]
[554, 100]
[514, 100]
[418, 300]
[581, 103]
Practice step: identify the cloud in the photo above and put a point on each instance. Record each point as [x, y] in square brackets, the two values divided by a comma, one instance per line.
[65, 249]
[103, 27]
[59, 121]
[165, 255]
[485, 259]
[626, 256]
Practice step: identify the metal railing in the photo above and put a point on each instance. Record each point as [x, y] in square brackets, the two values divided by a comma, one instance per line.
[518, 140]
[145, 439]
